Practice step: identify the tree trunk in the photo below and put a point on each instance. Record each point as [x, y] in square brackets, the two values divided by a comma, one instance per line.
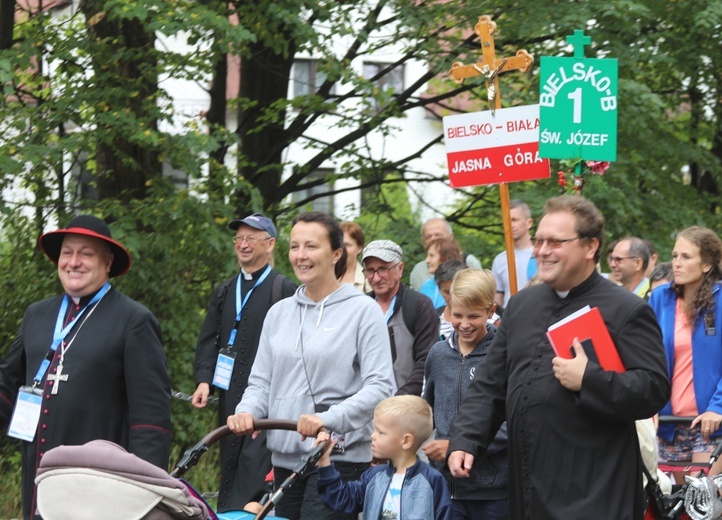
[264, 79]
[216, 117]
[7, 23]
[126, 63]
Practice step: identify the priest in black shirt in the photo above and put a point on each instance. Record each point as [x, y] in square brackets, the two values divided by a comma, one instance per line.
[235, 316]
[573, 449]
[92, 357]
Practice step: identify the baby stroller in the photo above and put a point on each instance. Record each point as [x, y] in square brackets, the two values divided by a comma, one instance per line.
[699, 498]
[102, 480]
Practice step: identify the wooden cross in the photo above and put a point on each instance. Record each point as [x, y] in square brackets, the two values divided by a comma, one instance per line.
[58, 376]
[490, 67]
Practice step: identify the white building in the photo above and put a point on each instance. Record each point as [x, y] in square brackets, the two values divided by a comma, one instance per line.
[191, 100]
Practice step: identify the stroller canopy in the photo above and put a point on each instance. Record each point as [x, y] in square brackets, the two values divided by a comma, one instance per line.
[102, 480]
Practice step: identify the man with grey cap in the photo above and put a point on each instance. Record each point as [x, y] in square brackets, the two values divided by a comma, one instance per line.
[226, 349]
[410, 316]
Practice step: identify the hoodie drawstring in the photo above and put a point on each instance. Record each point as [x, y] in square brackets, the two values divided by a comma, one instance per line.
[300, 327]
[320, 314]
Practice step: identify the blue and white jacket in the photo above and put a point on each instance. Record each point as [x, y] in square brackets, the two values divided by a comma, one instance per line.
[424, 494]
[706, 352]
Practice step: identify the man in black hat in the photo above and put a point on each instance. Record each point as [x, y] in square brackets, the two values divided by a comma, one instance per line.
[227, 347]
[87, 364]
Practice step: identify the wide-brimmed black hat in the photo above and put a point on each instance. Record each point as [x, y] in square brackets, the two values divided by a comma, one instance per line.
[90, 226]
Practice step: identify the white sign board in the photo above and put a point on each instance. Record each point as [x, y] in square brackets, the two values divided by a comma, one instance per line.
[490, 148]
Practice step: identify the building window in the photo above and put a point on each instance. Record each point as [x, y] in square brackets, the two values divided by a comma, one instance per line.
[393, 79]
[324, 203]
[306, 77]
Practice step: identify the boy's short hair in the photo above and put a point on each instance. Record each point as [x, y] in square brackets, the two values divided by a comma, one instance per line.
[412, 415]
[447, 270]
[473, 288]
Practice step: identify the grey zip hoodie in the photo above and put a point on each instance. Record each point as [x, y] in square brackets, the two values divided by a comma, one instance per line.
[331, 358]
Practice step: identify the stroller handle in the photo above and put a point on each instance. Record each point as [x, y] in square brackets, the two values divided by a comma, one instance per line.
[193, 455]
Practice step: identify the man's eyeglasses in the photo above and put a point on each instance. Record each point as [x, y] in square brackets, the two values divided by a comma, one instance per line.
[552, 243]
[617, 259]
[250, 240]
[383, 272]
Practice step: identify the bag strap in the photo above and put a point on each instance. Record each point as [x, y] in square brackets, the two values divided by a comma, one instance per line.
[277, 289]
[408, 309]
[219, 309]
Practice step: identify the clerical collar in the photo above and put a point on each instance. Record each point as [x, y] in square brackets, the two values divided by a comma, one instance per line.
[84, 300]
[592, 280]
[255, 275]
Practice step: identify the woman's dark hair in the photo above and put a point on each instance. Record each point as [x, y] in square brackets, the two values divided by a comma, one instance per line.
[710, 252]
[335, 235]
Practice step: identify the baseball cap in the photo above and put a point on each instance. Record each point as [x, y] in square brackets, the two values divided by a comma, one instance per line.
[386, 250]
[256, 221]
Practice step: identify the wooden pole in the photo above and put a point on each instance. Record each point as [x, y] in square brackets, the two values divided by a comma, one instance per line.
[490, 67]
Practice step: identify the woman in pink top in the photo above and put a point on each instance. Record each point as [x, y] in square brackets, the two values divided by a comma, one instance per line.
[688, 311]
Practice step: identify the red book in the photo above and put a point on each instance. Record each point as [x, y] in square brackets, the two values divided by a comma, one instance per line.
[588, 325]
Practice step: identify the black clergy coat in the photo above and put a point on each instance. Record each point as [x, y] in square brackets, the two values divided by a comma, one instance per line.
[117, 388]
[244, 462]
[572, 454]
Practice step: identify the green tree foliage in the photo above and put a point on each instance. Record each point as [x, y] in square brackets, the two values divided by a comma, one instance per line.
[667, 173]
[83, 98]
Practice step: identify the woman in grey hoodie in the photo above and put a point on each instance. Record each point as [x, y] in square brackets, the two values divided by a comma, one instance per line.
[323, 360]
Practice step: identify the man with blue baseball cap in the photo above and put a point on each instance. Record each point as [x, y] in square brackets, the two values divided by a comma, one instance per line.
[226, 349]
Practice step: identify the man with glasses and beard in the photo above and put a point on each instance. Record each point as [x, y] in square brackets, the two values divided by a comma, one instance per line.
[410, 316]
[573, 450]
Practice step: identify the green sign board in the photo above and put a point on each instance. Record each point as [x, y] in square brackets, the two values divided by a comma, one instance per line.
[578, 106]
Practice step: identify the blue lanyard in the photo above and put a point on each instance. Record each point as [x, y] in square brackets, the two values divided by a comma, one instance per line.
[60, 331]
[390, 310]
[240, 304]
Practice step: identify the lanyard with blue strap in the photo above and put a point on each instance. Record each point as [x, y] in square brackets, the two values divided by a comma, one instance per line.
[26, 414]
[61, 332]
[226, 357]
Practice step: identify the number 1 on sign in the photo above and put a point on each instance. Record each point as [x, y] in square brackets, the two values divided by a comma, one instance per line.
[576, 96]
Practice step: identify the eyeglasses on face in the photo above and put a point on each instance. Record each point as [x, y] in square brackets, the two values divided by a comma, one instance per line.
[250, 240]
[618, 259]
[383, 272]
[552, 243]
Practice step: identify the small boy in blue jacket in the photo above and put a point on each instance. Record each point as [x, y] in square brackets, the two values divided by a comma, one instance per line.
[404, 488]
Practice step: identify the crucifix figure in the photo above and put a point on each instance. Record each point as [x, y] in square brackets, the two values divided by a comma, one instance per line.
[490, 67]
[58, 376]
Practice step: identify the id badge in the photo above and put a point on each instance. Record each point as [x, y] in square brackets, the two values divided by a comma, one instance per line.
[224, 369]
[26, 415]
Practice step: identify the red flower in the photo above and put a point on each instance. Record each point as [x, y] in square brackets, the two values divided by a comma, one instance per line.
[562, 181]
[598, 167]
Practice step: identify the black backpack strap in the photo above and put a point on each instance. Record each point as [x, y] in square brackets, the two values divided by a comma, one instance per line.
[277, 288]
[408, 309]
[219, 309]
